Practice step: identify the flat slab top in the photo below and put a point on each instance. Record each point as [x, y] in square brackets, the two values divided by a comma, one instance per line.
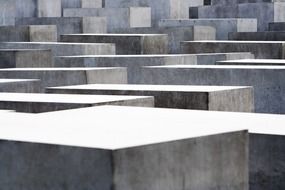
[4, 81]
[55, 43]
[63, 69]
[115, 35]
[115, 127]
[246, 67]
[265, 61]
[129, 87]
[63, 98]
[236, 42]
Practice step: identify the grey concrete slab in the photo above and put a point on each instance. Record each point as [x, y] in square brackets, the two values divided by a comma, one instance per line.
[258, 36]
[160, 9]
[101, 142]
[252, 62]
[223, 26]
[91, 3]
[13, 58]
[134, 62]
[125, 43]
[68, 76]
[277, 26]
[228, 2]
[64, 49]
[69, 25]
[176, 34]
[267, 81]
[117, 18]
[40, 103]
[31, 33]
[261, 49]
[20, 85]
[239, 99]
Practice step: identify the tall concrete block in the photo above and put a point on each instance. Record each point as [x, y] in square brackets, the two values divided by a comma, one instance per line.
[68, 25]
[223, 26]
[261, 49]
[32, 33]
[116, 17]
[239, 99]
[25, 58]
[266, 80]
[20, 85]
[50, 8]
[125, 43]
[63, 49]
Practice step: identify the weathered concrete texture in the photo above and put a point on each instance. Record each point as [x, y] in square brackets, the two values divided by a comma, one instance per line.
[69, 25]
[50, 8]
[20, 85]
[258, 36]
[125, 43]
[252, 62]
[91, 3]
[25, 58]
[175, 34]
[277, 26]
[239, 99]
[160, 9]
[68, 76]
[64, 49]
[117, 18]
[261, 49]
[134, 62]
[32, 33]
[223, 26]
[40, 103]
[267, 81]
[263, 12]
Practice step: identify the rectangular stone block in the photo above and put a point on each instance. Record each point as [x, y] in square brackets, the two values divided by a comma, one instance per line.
[68, 76]
[239, 99]
[25, 58]
[261, 49]
[117, 18]
[69, 25]
[257, 36]
[134, 62]
[50, 8]
[40, 103]
[32, 33]
[91, 3]
[20, 85]
[63, 49]
[277, 26]
[223, 26]
[252, 62]
[229, 2]
[267, 81]
[176, 34]
[125, 43]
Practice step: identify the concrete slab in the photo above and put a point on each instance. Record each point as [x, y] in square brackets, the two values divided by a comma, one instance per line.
[125, 43]
[32, 33]
[258, 36]
[175, 34]
[223, 26]
[25, 58]
[228, 2]
[68, 76]
[20, 85]
[239, 99]
[92, 150]
[252, 62]
[277, 26]
[117, 18]
[134, 62]
[69, 25]
[50, 8]
[40, 103]
[91, 3]
[63, 49]
[261, 49]
[266, 80]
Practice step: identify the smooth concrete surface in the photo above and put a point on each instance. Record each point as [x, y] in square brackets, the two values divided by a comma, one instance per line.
[134, 62]
[258, 36]
[20, 85]
[222, 26]
[239, 99]
[267, 81]
[277, 26]
[25, 58]
[91, 3]
[273, 62]
[68, 76]
[40, 103]
[69, 25]
[261, 49]
[64, 49]
[125, 43]
[117, 18]
[31, 33]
